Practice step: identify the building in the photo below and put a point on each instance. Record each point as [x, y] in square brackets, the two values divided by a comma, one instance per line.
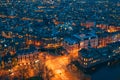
[71, 45]
[106, 38]
[93, 56]
[79, 41]
[88, 24]
[85, 38]
[27, 57]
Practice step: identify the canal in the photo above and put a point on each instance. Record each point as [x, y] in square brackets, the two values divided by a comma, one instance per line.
[105, 71]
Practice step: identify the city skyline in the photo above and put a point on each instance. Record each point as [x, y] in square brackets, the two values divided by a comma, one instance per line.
[59, 39]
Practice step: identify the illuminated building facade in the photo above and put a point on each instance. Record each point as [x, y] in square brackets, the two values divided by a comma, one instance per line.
[77, 42]
[91, 57]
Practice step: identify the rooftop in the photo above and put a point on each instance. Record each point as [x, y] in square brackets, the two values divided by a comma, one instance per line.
[70, 41]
